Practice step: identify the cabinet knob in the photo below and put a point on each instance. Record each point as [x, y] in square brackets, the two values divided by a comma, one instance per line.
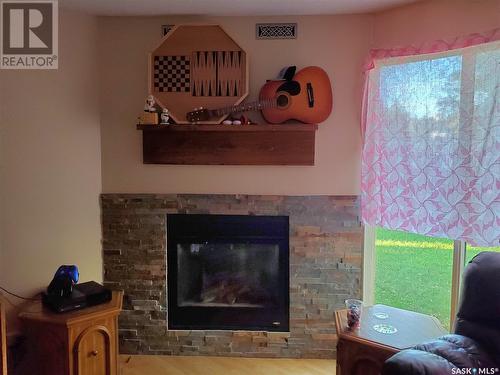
[94, 353]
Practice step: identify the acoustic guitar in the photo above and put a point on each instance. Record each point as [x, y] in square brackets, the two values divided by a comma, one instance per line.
[306, 98]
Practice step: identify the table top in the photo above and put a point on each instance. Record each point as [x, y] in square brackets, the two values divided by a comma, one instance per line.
[412, 328]
[37, 312]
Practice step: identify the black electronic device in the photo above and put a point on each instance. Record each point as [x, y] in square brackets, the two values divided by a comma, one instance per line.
[95, 293]
[82, 295]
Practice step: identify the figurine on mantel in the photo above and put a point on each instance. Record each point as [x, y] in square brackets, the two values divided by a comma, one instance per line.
[165, 117]
[150, 114]
[150, 104]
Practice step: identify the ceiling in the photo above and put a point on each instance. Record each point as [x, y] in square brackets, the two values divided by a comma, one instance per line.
[228, 7]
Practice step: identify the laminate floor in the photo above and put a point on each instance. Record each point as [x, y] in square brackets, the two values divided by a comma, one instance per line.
[178, 365]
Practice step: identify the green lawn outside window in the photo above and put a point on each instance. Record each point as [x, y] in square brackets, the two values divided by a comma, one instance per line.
[413, 272]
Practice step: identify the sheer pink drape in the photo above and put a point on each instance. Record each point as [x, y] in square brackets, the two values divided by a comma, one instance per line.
[431, 154]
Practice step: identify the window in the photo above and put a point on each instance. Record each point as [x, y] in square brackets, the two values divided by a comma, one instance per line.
[430, 166]
[430, 157]
[472, 251]
[414, 272]
[418, 273]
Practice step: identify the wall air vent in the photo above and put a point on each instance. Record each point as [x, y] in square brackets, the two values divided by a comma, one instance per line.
[276, 30]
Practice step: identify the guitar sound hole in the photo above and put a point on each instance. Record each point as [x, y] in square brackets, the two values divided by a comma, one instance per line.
[282, 100]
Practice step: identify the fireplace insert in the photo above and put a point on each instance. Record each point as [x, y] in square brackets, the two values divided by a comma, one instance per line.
[228, 272]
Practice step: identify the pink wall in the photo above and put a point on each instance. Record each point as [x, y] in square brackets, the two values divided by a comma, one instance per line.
[434, 19]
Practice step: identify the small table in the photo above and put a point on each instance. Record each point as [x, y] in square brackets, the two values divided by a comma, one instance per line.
[364, 350]
[82, 342]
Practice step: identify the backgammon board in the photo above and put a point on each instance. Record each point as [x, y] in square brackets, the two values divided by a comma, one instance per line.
[197, 66]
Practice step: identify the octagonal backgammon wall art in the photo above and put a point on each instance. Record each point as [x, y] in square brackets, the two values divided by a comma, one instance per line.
[197, 66]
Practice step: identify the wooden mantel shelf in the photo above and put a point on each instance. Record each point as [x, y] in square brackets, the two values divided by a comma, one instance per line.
[231, 128]
[203, 144]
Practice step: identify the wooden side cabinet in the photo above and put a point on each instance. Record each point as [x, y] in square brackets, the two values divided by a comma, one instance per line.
[83, 342]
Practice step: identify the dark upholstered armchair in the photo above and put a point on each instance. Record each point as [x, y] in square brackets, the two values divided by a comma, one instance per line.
[476, 341]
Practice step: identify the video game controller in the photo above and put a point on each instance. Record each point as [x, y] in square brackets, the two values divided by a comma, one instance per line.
[62, 284]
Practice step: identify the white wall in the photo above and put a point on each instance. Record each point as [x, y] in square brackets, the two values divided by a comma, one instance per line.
[337, 43]
[50, 174]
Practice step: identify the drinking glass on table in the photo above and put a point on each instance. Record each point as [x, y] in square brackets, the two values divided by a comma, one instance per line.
[354, 307]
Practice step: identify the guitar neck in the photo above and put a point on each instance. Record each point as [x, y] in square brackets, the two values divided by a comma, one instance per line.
[245, 107]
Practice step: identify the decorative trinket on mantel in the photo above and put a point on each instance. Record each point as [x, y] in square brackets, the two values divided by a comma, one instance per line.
[150, 115]
[165, 117]
[149, 106]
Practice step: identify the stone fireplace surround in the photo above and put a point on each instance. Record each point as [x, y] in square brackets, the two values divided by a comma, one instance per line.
[326, 242]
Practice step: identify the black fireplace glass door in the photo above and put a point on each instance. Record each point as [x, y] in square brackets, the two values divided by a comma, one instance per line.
[228, 275]
[228, 272]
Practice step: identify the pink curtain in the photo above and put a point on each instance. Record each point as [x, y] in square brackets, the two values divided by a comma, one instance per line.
[431, 154]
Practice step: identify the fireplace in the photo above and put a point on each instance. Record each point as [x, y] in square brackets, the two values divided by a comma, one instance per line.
[228, 272]
[326, 247]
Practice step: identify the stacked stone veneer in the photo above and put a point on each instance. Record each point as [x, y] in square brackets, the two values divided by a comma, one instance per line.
[326, 241]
